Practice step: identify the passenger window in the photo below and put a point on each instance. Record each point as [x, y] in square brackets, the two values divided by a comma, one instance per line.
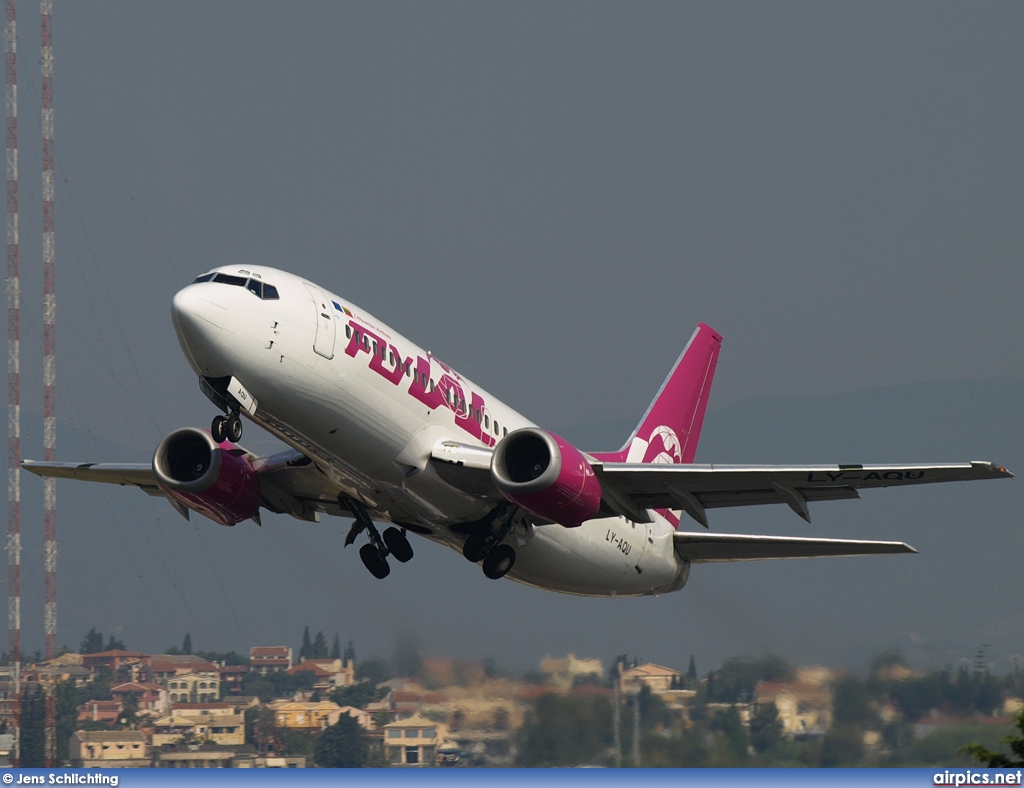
[375, 348]
[431, 385]
[391, 358]
[487, 422]
[254, 287]
[506, 432]
[348, 332]
[497, 429]
[366, 343]
[270, 293]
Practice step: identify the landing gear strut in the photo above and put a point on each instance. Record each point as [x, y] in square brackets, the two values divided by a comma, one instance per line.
[485, 544]
[227, 428]
[375, 554]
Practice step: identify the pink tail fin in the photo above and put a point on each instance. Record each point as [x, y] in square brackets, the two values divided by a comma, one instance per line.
[670, 430]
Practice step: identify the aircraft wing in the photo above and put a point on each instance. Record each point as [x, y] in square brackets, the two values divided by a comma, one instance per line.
[289, 483]
[133, 474]
[695, 488]
[630, 489]
[701, 548]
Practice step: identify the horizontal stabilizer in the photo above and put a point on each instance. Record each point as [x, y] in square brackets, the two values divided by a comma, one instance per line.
[700, 548]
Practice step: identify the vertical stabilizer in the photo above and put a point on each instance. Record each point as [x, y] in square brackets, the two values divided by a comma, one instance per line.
[670, 430]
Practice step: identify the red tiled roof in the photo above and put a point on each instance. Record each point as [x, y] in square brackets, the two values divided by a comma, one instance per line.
[134, 686]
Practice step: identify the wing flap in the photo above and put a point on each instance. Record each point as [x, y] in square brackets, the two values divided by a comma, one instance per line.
[701, 548]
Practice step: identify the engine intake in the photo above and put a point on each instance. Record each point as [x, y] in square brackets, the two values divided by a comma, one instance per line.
[218, 482]
[547, 476]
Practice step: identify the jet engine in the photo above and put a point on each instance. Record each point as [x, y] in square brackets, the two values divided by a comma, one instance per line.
[547, 476]
[214, 480]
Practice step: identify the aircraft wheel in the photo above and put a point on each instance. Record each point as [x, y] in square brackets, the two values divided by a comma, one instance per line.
[475, 548]
[233, 428]
[499, 561]
[398, 544]
[374, 561]
[219, 429]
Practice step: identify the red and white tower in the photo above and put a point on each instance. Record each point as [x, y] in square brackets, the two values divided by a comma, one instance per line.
[13, 368]
[49, 334]
[49, 369]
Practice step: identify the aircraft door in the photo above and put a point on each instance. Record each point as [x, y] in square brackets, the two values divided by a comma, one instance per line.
[644, 532]
[326, 326]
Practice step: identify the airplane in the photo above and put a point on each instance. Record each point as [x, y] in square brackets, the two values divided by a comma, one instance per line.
[381, 431]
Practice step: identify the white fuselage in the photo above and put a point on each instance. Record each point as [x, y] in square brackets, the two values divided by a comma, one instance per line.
[368, 407]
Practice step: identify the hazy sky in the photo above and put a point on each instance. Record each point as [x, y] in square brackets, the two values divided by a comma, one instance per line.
[549, 196]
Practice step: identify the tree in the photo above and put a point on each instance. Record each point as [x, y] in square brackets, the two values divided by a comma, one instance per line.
[186, 645]
[115, 645]
[33, 728]
[319, 648]
[359, 695]
[336, 648]
[129, 708]
[765, 727]
[375, 670]
[691, 673]
[67, 715]
[997, 760]
[93, 642]
[565, 731]
[349, 657]
[342, 746]
[408, 661]
[733, 737]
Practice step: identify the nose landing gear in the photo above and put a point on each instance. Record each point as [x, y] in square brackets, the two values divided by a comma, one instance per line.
[227, 428]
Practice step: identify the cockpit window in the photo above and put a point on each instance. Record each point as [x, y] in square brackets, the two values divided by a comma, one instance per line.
[228, 279]
[254, 285]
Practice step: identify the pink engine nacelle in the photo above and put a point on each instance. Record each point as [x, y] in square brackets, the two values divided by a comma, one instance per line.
[215, 480]
[547, 476]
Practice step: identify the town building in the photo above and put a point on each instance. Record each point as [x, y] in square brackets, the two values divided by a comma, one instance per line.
[805, 708]
[151, 697]
[223, 729]
[270, 659]
[305, 716]
[108, 749]
[194, 687]
[111, 661]
[329, 674]
[413, 741]
[655, 677]
[562, 672]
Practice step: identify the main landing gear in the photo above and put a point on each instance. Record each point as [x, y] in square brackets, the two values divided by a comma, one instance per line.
[484, 544]
[375, 554]
[227, 428]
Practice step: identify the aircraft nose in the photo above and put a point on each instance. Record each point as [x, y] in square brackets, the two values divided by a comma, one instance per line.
[197, 319]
